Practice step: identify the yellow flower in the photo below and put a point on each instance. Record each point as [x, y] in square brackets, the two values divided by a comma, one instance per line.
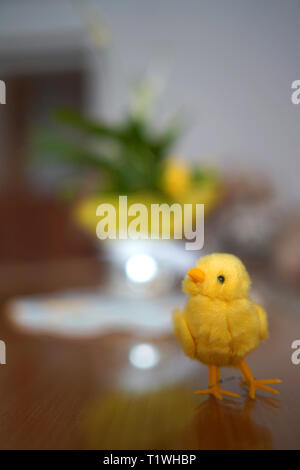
[176, 179]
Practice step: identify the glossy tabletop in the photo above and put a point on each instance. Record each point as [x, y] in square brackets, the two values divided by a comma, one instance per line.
[58, 393]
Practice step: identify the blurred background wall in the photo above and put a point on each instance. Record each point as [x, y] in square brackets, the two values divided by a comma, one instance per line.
[226, 68]
[231, 63]
[230, 66]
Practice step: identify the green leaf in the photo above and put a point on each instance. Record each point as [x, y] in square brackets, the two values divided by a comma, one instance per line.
[54, 149]
[88, 125]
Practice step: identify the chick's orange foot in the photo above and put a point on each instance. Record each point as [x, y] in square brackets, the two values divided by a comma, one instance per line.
[214, 385]
[261, 385]
[217, 392]
[254, 384]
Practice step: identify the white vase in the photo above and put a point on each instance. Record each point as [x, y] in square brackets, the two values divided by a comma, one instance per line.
[146, 268]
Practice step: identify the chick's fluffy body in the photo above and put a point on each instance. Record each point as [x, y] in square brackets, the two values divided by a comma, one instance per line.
[220, 324]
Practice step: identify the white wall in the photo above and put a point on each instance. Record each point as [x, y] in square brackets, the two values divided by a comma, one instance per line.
[232, 63]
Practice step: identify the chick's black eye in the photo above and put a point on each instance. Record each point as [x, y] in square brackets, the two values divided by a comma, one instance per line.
[221, 279]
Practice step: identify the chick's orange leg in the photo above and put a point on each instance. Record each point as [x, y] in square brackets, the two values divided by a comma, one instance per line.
[214, 386]
[256, 384]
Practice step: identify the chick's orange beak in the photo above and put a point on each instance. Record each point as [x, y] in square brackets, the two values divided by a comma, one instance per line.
[196, 274]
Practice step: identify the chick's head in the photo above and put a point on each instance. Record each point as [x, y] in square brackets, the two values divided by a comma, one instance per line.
[219, 275]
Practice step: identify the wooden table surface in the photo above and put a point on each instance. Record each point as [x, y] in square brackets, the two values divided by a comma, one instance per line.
[84, 394]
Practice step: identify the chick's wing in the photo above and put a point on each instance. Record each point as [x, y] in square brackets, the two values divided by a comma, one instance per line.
[183, 335]
[263, 322]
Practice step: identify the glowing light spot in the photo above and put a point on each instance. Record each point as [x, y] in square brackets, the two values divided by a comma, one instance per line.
[144, 356]
[141, 268]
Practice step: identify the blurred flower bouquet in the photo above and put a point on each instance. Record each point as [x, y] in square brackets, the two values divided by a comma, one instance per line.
[130, 158]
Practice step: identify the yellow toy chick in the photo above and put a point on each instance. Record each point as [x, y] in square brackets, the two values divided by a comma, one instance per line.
[220, 324]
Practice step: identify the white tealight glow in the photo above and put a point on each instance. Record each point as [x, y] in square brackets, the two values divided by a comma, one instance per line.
[141, 268]
[144, 356]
